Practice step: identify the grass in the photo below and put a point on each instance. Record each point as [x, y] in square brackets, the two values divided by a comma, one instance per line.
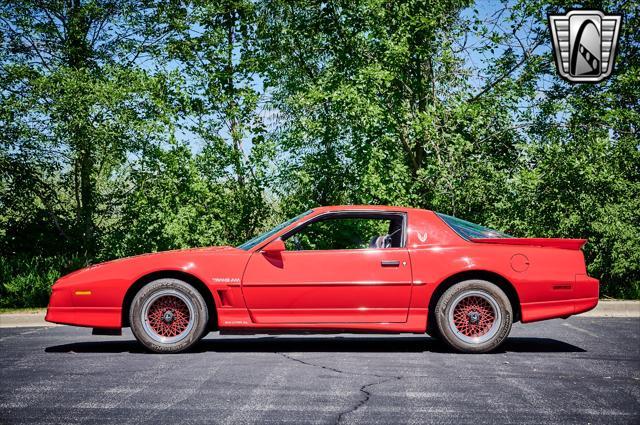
[21, 310]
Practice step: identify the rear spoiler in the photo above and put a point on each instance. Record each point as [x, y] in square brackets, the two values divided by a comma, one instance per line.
[574, 244]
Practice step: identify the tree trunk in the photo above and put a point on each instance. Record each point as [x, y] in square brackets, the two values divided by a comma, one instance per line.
[78, 58]
[236, 137]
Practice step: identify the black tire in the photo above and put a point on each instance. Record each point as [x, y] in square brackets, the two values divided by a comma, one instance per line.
[168, 316]
[474, 316]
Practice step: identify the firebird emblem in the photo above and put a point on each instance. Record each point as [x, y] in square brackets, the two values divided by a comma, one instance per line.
[422, 237]
[584, 43]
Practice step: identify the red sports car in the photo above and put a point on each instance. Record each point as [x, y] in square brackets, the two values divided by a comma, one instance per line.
[342, 269]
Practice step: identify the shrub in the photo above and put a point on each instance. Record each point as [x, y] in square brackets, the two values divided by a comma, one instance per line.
[26, 282]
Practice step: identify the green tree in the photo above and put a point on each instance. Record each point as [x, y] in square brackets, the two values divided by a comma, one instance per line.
[378, 107]
[217, 53]
[75, 104]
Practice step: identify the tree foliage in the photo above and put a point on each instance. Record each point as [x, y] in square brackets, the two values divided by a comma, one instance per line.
[136, 126]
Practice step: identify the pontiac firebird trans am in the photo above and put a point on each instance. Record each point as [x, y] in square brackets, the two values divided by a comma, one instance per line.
[339, 269]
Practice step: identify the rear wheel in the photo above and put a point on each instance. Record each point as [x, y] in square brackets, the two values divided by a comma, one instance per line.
[168, 316]
[474, 316]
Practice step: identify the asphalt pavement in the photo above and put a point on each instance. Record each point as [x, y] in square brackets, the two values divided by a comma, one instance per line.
[581, 370]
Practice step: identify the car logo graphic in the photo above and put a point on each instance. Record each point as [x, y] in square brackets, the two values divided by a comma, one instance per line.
[584, 44]
[422, 237]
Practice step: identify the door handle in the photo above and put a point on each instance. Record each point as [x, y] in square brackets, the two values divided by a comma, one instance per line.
[390, 263]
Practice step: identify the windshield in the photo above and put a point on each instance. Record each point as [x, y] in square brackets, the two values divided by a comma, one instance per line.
[258, 239]
[470, 230]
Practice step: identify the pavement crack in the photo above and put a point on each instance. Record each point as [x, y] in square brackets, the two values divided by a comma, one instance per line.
[286, 356]
[367, 395]
[364, 389]
[332, 369]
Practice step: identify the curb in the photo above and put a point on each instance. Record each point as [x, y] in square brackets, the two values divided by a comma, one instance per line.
[605, 308]
[614, 308]
[24, 320]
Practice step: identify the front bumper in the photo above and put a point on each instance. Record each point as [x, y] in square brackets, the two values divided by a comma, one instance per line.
[62, 310]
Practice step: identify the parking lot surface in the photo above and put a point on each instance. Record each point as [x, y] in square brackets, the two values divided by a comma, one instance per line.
[581, 370]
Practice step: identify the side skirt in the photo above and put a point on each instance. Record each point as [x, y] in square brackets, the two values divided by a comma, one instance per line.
[416, 323]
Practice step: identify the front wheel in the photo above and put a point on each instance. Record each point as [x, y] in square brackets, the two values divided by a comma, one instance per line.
[168, 316]
[474, 316]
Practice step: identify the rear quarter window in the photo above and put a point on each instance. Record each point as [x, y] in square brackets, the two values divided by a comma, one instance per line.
[468, 230]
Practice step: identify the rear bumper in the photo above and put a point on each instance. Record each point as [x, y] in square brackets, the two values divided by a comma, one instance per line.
[582, 297]
[587, 290]
[532, 312]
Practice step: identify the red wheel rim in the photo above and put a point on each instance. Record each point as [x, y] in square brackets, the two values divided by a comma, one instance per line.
[473, 316]
[168, 316]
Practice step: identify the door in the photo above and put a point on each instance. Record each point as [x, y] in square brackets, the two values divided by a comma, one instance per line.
[339, 268]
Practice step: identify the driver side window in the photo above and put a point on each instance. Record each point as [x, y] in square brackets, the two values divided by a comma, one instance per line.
[348, 232]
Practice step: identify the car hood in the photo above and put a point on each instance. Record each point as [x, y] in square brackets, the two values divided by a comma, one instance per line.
[142, 259]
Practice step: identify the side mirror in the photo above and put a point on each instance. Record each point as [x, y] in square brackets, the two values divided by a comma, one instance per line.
[275, 247]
